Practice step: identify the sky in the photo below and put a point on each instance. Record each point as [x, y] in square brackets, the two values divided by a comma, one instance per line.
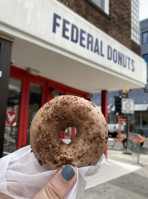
[143, 9]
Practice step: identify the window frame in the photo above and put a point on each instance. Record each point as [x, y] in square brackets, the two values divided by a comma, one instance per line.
[102, 8]
[47, 86]
[102, 4]
[146, 62]
[146, 32]
[144, 55]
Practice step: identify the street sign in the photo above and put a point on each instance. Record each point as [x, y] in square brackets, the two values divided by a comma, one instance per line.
[11, 117]
[127, 106]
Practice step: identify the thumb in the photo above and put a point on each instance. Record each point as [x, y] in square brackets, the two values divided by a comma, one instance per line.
[60, 184]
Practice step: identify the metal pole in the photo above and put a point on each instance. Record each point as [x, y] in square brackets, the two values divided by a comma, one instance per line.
[138, 158]
[127, 123]
[127, 133]
[104, 104]
[141, 119]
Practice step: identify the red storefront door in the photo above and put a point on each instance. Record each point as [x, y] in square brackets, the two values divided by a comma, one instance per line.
[27, 93]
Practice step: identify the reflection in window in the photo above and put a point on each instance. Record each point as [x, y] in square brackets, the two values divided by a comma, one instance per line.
[34, 105]
[144, 118]
[146, 59]
[103, 4]
[138, 117]
[55, 93]
[98, 3]
[141, 119]
[145, 38]
[12, 116]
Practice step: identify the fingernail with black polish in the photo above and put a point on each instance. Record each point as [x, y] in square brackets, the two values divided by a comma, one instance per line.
[67, 172]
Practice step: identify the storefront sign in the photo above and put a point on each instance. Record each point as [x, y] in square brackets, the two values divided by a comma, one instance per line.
[53, 26]
[84, 39]
[11, 117]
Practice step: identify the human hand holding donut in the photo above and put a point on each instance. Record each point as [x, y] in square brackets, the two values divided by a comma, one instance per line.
[52, 153]
[60, 184]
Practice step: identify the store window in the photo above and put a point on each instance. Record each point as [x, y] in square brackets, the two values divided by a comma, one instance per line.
[146, 58]
[103, 4]
[141, 119]
[12, 116]
[26, 94]
[138, 118]
[34, 105]
[145, 38]
[145, 118]
[55, 93]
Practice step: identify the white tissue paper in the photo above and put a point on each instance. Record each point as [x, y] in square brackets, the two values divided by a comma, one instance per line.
[21, 176]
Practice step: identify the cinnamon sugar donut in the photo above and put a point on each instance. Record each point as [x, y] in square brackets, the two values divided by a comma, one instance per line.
[55, 116]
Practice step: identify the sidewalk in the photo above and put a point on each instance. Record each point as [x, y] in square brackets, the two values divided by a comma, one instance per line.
[109, 171]
[120, 177]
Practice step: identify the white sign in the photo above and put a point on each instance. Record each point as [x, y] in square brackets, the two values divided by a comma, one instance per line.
[127, 105]
[59, 27]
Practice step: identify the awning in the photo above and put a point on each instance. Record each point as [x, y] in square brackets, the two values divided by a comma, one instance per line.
[66, 48]
[137, 107]
[140, 107]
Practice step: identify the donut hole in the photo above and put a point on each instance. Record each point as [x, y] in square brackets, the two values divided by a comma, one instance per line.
[68, 134]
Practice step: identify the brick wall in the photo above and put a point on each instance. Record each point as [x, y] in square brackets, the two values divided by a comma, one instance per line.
[117, 24]
[120, 12]
[136, 48]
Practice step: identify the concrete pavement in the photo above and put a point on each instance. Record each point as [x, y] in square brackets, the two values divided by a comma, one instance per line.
[120, 177]
[110, 170]
[130, 186]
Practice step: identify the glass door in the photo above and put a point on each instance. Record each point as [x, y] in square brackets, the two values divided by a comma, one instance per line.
[34, 105]
[12, 116]
[27, 93]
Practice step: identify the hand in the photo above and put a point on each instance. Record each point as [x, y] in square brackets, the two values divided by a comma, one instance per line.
[60, 184]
